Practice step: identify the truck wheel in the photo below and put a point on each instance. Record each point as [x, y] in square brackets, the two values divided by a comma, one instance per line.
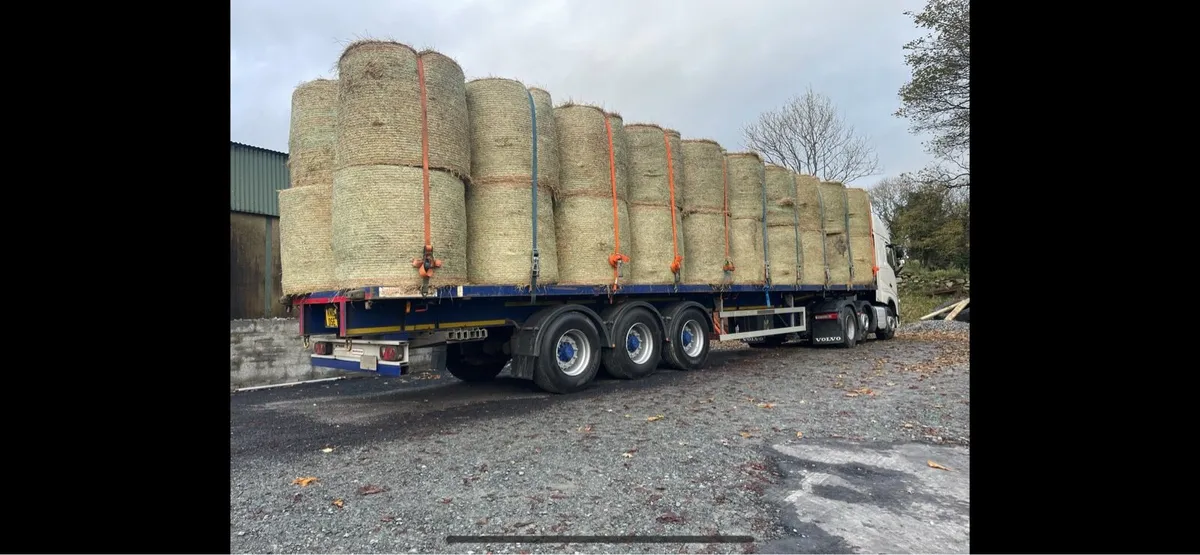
[887, 328]
[569, 354]
[849, 328]
[468, 362]
[688, 331]
[638, 336]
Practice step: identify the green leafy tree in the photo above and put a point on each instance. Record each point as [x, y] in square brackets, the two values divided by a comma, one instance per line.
[933, 223]
[937, 99]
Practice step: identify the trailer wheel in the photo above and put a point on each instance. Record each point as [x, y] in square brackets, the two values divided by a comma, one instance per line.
[688, 349]
[468, 362]
[638, 336]
[849, 328]
[888, 329]
[569, 356]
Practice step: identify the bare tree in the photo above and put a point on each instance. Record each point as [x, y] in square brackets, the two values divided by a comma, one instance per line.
[888, 196]
[808, 135]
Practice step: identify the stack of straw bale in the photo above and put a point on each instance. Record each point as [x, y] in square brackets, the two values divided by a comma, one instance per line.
[306, 247]
[705, 223]
[746, 183]
[378, 182]
[500, 196]
[837, 242]
[782, 231]
[810, 212]
[862, 240]
[583, 208]
[655, 224]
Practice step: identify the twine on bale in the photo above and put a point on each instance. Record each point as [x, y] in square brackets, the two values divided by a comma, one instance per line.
[728, 268]
[677, 261]
[311, 135]
[796, 227]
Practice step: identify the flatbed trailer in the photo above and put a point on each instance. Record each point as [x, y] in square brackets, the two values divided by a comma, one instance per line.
[560, 336]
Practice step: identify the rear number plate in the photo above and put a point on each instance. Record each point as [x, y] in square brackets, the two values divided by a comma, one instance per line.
[368, 362]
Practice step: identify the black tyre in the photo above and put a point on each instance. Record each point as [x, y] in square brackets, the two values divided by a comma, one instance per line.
[887, 328]
[468, 362]
[638, 336]
[569, 354]
[690, 340]
[849, 328]
[867, 323]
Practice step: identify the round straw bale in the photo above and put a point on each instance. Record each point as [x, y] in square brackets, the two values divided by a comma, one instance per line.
[500, 235]
[704, 175]
[502, 133]
[378, 226]
[653, 249]
[808, 202]
[782, 242]
[862, 243]
[305, 246]
[745, 185]
[311, 137]
[704, 242]
[781, 196]
[746, 247]
[584, 151]
[379, 109]
[584, 230]
[837, 242]
[650, 177]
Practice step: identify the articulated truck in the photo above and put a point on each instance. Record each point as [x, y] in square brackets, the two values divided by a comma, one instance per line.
[560, 336]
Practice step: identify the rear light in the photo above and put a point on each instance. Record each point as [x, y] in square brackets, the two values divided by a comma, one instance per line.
[390, 353]
[826, 316]
[323, 348]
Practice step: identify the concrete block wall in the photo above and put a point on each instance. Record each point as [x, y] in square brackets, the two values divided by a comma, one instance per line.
[267, 352]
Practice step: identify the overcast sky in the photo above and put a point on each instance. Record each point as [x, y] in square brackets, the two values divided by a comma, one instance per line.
[703, 67]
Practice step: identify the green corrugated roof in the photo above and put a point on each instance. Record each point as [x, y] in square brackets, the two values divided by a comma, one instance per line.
[255, 177]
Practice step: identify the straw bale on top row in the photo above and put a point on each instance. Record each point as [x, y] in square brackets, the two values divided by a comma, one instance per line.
[781, 197]
[502, 133]
[703, 164]
[311, 135]
[746, 174]
[583, 147]
[649, 175]
[379, 109]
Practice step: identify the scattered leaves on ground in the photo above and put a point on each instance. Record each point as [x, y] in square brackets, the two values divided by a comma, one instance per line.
[339, 503]
[670, 518]
[371, 490]
[629, 454]
[799, 434]
[936, 465]
[327, 450]
[304, 482]
[766, 405]
[654, 418]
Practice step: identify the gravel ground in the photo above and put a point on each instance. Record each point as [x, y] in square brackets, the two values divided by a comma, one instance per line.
[411, 461]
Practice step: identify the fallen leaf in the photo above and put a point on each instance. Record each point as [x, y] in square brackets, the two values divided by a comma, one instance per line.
[626, 416]
[864, 391]
[799, 434]
[303, 482]
[654, 418]
[370, 490]
[936, 465]
[851, 394]
[327, 450]
[766, 405]
[586, 429]
[338, 503]
[447, 500]
[387, 518]
[629, 454]
[907, 425]
[746, 435]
